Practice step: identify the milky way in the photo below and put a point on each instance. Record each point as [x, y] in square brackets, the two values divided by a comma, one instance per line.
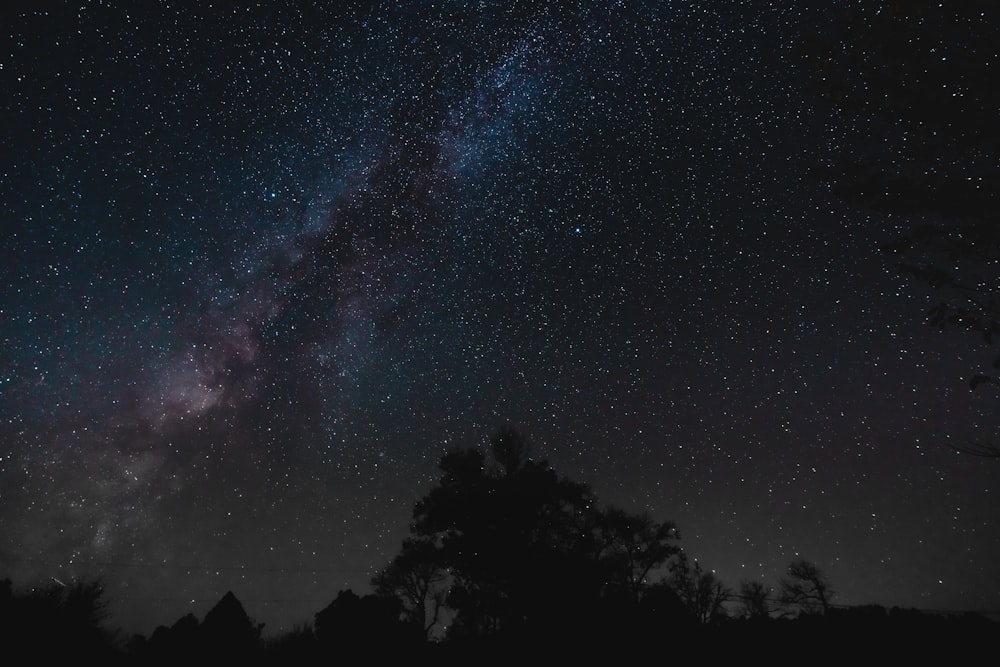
[263, 267]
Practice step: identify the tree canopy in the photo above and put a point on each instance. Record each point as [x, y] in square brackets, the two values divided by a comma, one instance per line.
[806, 586]
[511, 547]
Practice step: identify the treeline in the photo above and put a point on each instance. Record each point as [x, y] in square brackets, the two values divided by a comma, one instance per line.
[506, 556]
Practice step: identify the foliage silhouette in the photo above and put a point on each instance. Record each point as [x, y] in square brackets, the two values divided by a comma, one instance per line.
[586, 583]
[227, 628]
[371, 624]
[293, 648]
[419, 578]
[226, 633]
[702, 593]
[755, 600]
[512, 548]
[632, 545]
[806, 586]
[518, 562]
[74, 613]
[178, 642]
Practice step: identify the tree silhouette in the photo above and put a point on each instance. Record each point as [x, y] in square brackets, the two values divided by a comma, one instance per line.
[806, 586]
[226, 633]
[178, 642]
[634, 544]
[56, 619]
[418, 577]
[501, 531]
[370, 624]
[510, 450]
[700, 591]
[755, 600]
[917, 82]
[519, 549]
[228, 629]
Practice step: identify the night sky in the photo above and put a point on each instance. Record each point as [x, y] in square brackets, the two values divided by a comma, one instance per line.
[261, 267]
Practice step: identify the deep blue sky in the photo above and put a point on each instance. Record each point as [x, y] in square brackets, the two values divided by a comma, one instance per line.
[261, 267]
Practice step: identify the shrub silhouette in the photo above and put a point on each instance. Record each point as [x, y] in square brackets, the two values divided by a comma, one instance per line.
[56, 620]
[369, 624]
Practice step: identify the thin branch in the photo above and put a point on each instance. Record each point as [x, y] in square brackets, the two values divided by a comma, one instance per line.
[986, 450]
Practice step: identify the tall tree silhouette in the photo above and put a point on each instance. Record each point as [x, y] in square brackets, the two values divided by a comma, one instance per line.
[755, 600]
[524, 549]
[502, 530]
[700, 591]
[635, 545]
[227, 629]
[418, 577]
[917, 82]
[806, 586]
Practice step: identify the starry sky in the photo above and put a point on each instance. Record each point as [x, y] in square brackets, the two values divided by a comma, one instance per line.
[263, 264]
